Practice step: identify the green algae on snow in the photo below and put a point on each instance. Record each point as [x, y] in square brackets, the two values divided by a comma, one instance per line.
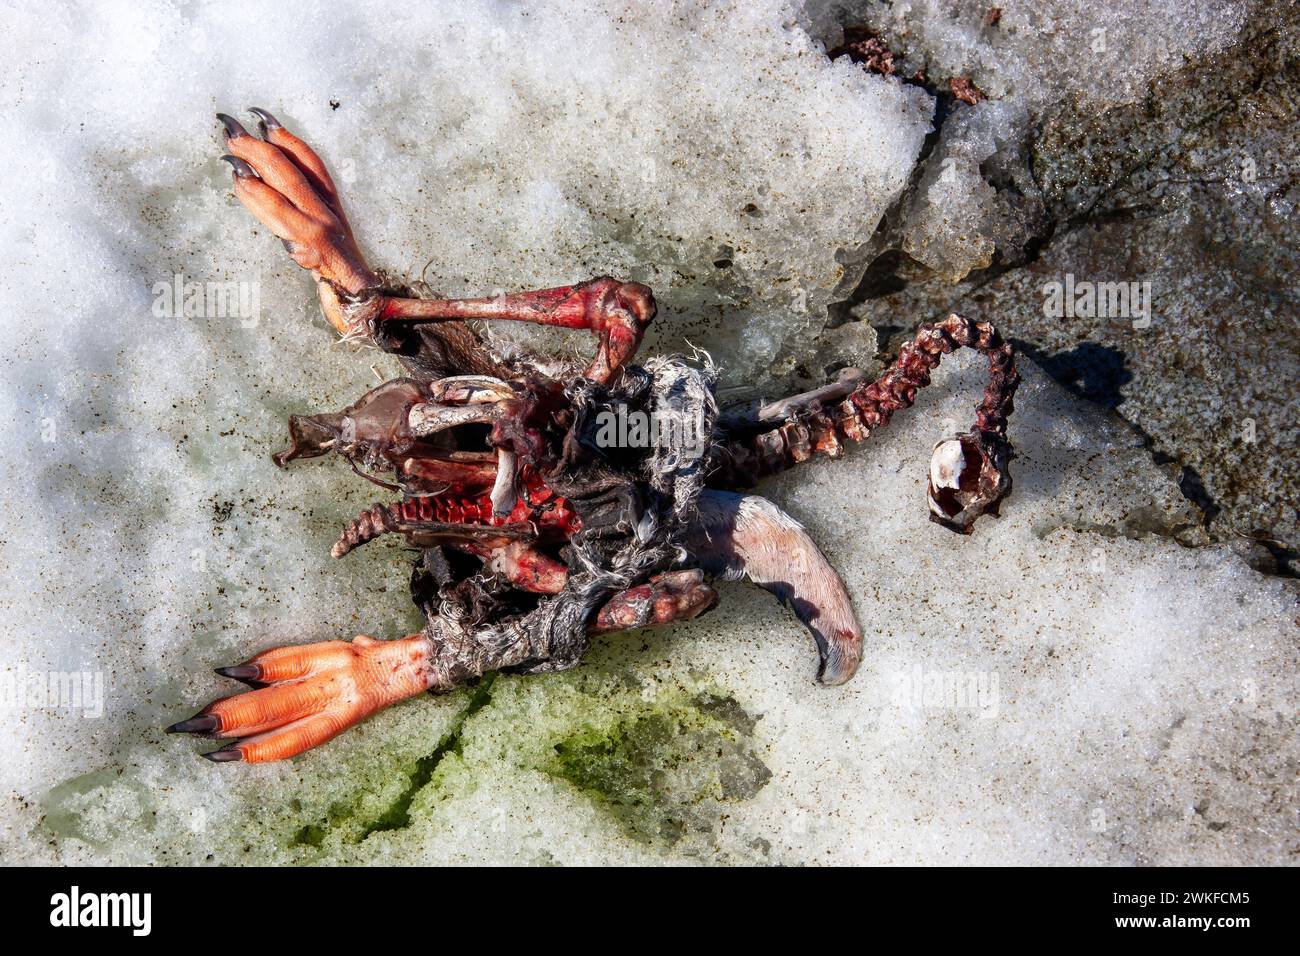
[662, 769]
[397, 814]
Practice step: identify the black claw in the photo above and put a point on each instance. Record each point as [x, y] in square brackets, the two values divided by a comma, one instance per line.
[241, 671]
[265, 120]
[249, 674]
[234, 128]
[242, 169]
[202, 724]
[224, 754]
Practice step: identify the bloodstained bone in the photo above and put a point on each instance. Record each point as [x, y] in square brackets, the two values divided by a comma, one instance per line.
[679, 596]
[822, 430]
[538, 514]
[618, 312]
[531, 535]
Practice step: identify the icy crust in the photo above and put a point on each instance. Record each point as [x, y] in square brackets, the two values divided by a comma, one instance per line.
[1070, 55]
[949, 218]
[1037, 52]
[1145, 709]
[1034, 693]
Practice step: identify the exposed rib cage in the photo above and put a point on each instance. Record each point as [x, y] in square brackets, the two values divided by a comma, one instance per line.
[383, 518]
[743, 463]
[542, 508]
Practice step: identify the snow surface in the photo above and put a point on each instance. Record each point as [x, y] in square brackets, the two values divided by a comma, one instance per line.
[1131, 700]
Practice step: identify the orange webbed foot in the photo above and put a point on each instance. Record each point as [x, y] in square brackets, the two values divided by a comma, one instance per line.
[284, 183]
[308, 694]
